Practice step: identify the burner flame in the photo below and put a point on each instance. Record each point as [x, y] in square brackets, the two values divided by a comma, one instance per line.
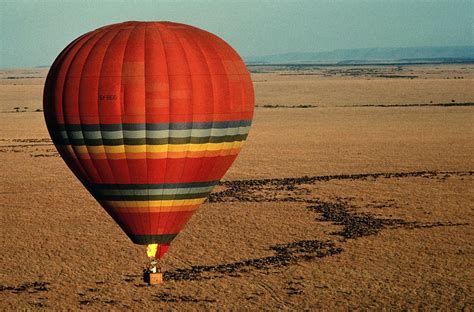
[151, 250]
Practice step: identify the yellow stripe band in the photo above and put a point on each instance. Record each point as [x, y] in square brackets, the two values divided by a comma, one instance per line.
[81, 149]
[155, 203]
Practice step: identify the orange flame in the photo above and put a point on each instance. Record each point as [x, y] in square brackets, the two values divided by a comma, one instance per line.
[151, 250]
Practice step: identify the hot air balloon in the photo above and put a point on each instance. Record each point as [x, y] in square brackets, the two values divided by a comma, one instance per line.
[149, 116]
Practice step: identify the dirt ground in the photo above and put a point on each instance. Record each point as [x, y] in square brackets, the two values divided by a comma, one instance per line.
[355, 190]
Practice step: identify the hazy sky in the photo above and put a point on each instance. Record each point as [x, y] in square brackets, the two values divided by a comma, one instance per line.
[34, 32]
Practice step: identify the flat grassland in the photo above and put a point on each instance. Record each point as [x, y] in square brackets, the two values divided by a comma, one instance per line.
[355, 189]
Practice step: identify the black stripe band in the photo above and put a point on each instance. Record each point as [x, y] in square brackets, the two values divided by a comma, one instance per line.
[151, 186]
[152, 239]
[151, 141]
[151, 197]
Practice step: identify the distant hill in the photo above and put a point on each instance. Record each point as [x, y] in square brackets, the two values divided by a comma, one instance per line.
[371, 55]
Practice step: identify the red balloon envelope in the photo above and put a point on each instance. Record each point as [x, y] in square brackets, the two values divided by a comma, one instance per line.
[149, 116]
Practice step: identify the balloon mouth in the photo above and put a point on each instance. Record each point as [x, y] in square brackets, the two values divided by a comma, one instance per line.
[156, 251]
[152, 239]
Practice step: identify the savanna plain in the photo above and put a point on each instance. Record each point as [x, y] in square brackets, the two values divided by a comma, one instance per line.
[354, 191]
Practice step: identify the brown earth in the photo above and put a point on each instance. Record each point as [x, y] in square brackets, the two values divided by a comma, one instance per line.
[364, 201]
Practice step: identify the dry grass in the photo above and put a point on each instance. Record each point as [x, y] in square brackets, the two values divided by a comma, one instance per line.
[266, 244]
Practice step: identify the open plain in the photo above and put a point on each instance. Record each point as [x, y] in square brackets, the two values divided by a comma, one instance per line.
[355, 190]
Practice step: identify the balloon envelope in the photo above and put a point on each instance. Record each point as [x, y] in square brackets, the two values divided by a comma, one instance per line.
[149, 116]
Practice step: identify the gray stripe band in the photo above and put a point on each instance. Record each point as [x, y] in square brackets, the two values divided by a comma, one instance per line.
[156, 126]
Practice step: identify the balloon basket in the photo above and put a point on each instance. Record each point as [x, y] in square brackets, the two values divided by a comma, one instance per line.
[152, 278]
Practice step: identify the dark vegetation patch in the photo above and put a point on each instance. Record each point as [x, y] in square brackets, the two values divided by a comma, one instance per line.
[301, 74]
[132, 277]
[354, 225]
[45, 140]
[396, 76]
[284, 255]
[389, 203]
[33, 287]
[287, 106]
[293, 288]
[20, 77]
[357, 225]
[20, 109]
[38, 304]
[451, 104]
[93, 295]
[25, 145]
[85, 302]
[166, 297]
[35, 147]
[91, 301]
[339, 212]
[390, 71]
[289, 190]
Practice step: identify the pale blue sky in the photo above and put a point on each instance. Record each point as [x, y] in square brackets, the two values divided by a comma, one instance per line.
[34, 32]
